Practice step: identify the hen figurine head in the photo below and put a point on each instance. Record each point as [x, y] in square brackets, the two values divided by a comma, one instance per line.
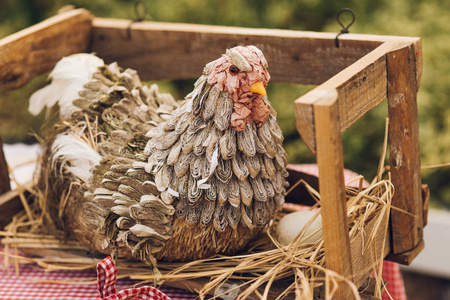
[242, 72]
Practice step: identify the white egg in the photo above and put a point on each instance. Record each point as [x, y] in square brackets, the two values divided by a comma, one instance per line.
[291, 225]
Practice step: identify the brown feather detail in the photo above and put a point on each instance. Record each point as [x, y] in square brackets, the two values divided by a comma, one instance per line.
[260, 213]
[140, 213]
[252, 164]
[278, 183]
[233, 215]
[269, 166]
[196, 166]
[121, 199]
[246, 141]
[228, 144]
[224, 170]
[223, 113]
[181, 209]
[211, 103]
[167, 197]
[246, 192]
[188, 142]
[183, 123]
[114, 118]
[275, 129]
[269, 187]
[213, 142]
[113, 175]
[211, 192]
[130, 192]
[154, 202]
[207, 213]
[239, 167]
[234, 194]
[198, 103]
[199, 147]
[247, 216]
[182, 165]
[138, 185]
[110, 184]
[194, 193]
[166, 141]
[280, 158]
[259, 191]
[220, 219]
[174, 153]
[259, 146]
[263, 171]
[196, 125]
[124, 223]
[266, 139]
[149, 187]
[183, 188]
[194, 213]
[222, 193]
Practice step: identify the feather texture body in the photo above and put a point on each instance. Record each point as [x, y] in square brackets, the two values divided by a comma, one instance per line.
[173, 181]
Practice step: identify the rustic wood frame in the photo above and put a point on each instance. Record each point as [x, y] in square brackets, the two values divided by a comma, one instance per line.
[352, 79]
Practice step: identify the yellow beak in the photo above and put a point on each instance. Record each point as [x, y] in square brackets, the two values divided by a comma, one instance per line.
[258, 87]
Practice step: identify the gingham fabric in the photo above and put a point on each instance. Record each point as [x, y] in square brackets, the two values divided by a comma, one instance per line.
[106, 281]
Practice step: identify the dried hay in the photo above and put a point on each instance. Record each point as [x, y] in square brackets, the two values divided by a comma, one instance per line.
[300, 269]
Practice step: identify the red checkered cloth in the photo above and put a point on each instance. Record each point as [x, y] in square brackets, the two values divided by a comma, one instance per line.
[106, 280]
[33, 283]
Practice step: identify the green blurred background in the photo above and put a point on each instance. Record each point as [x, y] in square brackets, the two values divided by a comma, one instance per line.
[362, 143]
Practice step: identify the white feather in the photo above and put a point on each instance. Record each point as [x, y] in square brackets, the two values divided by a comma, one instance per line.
[68, 78]
[74, 155]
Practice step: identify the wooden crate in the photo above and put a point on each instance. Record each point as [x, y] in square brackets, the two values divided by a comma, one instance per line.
[352, 79]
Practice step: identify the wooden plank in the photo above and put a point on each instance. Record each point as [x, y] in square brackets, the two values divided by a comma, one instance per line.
[35, 50]
[361, 87]
[4, 173]
[406, 258]
[407, 220]
[180, 51]
[332, 190]
[367, 254]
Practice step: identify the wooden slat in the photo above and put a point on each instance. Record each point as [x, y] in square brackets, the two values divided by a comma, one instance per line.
[367, 253]
[407, 225]
[36, 50]
[179, 51]
[361, 87]
[332, 190]
[4, 173]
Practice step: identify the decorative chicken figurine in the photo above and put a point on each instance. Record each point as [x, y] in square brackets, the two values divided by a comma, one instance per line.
[133, 170]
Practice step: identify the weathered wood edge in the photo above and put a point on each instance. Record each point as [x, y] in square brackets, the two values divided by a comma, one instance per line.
[367, 253]
[36, 49]
[332, 191]
[404, 158]
[361, 87]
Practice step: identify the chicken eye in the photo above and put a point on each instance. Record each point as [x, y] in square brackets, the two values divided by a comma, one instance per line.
[234, 70]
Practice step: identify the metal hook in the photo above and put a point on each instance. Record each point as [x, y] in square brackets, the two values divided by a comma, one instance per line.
[138, 17]
[344, 28]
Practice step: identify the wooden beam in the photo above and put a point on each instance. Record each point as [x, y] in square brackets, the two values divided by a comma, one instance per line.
[407, 219]
[367, 253]
[361, 87]
[180, 51]
[4, 173]
[36, 50]
[332, 190]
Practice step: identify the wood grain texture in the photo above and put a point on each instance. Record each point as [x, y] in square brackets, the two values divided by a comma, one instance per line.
[332, 190]
[367, 253]
[407, 225]
[180, 51]
[36, 50]
[4, 173]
